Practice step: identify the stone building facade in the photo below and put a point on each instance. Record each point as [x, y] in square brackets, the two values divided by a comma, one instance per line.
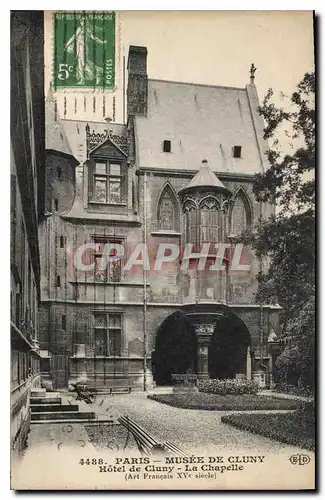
[26, 209]
[179, 172]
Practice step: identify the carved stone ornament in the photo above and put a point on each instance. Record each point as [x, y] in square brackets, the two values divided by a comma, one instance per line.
[189, 205]
[226, 205]
[204, 329]
[94, 139]
[209, 203]
[167, 211]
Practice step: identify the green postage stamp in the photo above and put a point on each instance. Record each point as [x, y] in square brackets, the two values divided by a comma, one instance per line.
[84, 50]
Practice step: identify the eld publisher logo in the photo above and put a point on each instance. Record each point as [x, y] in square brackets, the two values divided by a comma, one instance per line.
[299, 459]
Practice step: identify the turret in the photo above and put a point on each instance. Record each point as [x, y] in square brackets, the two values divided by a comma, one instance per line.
[204, 203]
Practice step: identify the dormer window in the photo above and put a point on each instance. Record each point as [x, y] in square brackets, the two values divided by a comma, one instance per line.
[107, 182]
[167, 146]
[237, 151]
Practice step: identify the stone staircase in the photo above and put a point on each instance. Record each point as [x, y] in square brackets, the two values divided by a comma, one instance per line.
[48, 408]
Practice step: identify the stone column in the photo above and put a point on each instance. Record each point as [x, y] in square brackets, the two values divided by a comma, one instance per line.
[203, 333]
[271, 383]
[202, 357]
[248, 364]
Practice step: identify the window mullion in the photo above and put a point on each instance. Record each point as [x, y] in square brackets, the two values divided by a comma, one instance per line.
[108, 194]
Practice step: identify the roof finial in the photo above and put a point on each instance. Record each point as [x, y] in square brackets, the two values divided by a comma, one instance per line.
[252, 73]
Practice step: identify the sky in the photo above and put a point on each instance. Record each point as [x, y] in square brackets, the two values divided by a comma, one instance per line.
[208, 47]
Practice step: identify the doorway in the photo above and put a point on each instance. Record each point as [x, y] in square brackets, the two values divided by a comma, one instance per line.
[175, 350]
[228, 347]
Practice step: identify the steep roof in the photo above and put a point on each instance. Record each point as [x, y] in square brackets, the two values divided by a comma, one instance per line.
[205, 177]
[55, 136]
[200, 121]
[76, 131]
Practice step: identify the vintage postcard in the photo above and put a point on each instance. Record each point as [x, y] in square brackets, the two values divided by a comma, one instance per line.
[162, 250]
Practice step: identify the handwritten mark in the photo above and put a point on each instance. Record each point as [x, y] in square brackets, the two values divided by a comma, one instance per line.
[81, 441]
[67, 428]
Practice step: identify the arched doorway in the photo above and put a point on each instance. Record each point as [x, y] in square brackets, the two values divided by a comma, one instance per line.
[228, 347]
[176, 348]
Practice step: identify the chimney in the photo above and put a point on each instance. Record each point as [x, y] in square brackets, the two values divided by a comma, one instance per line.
[137, 90]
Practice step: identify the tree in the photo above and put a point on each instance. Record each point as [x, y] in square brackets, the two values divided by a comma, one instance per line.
[287, 239]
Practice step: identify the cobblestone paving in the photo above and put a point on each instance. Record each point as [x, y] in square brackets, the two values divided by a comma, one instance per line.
[54, 450]
[192, 429]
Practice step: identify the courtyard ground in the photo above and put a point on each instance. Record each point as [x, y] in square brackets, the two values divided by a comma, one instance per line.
[193, 430]
[190, 429]
[197, 431]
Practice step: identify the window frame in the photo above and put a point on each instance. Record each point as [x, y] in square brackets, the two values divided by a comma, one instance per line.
[167, 143]
[58, 281]
[209, 225]
[108, 328]
[109, 178]
[237, 148]
[102, 239]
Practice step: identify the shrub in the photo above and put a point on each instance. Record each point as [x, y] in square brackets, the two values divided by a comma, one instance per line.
[286, 428]
[306, 414]
[225, 402]
[227, 386]
[294, 389]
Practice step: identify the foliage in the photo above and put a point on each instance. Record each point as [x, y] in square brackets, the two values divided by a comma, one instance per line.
[285, 182]
[296, 364]
[287, 428]
[229, 402]
[227, 386]
[286, 238]
[306, 391]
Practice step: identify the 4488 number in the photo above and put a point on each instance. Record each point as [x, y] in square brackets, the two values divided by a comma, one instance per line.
[91, 461]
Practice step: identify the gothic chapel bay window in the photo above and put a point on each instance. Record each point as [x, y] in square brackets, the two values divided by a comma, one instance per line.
[209, 220]
[107, 182]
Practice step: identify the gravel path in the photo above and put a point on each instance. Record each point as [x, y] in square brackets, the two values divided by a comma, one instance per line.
[193, 429]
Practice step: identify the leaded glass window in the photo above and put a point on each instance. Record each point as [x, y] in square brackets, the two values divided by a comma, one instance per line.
[107, 182]
[107, 334]
[106, 269]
